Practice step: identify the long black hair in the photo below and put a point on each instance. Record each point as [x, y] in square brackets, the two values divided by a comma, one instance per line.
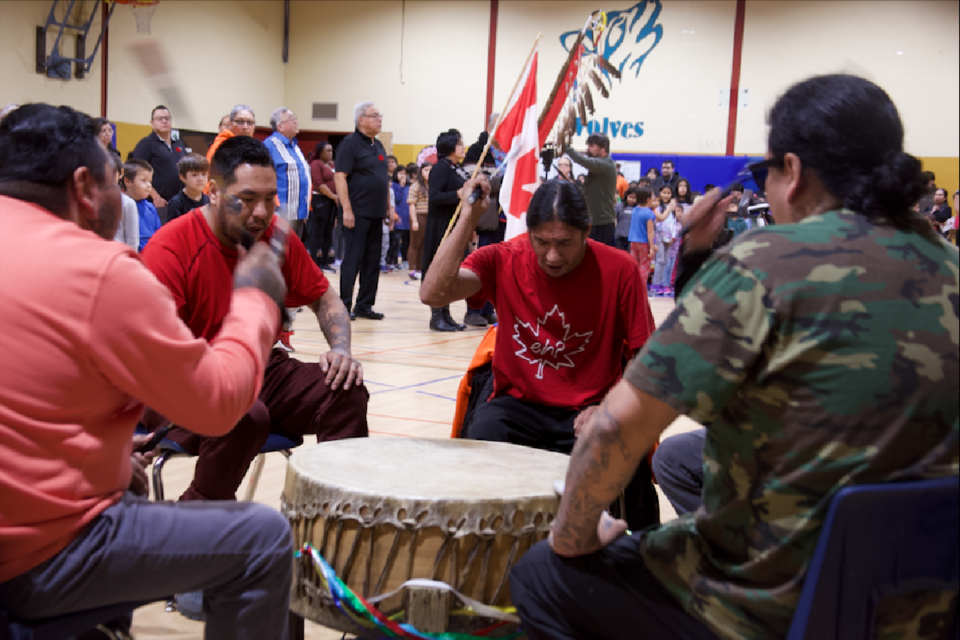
[558, 200]
[848, 132]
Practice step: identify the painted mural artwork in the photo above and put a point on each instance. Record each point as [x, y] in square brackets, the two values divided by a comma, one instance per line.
[630, 37]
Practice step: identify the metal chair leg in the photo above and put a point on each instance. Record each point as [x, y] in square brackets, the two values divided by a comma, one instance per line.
[257, 472]
[158, 463]
[255, 477]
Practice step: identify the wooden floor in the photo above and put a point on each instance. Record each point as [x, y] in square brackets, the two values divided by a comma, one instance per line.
[412, 374]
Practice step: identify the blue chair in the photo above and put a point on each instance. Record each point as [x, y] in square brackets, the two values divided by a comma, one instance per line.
[169, 449]
[66, 626]
[879, 541]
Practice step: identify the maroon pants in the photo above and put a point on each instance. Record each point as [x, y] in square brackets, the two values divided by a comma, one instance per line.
[295, 401]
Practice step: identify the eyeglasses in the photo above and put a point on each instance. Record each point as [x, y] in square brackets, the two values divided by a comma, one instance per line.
[375, 116]
[759, 171]
[245, 123]
[162, 118]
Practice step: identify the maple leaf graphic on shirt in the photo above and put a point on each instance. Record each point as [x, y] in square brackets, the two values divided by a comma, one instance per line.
[548, 350]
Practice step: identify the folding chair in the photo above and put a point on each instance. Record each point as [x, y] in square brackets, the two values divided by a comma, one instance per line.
[170, 449]
[879, 541]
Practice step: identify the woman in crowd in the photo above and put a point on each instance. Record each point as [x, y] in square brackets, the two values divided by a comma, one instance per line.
[684, 192]
[105, 134]
[940, 212]
[653, 173]
[445, 182]
[565, 170]
[417, 199]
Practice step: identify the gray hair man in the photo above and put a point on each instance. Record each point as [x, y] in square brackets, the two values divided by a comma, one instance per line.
[361, 180]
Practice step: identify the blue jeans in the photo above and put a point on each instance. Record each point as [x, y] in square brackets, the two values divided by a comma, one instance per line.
[239, 554]
[664, 268]
[678, 466]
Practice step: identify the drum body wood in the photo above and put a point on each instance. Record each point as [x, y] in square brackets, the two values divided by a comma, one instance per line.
[383, 511]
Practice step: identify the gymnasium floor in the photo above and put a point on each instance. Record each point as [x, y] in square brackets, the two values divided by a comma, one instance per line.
[412, 374]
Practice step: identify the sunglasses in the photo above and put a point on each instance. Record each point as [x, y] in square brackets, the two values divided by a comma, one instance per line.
[758, 171]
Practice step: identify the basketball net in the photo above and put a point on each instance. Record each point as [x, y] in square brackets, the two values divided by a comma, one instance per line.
[143, 11]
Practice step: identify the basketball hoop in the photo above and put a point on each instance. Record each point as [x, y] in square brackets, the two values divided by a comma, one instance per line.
[143, 10]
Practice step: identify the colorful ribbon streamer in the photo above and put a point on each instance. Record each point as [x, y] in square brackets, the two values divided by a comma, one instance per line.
[368, 617]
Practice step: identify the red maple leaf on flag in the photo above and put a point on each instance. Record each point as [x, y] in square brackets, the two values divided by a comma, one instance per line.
[549, 342]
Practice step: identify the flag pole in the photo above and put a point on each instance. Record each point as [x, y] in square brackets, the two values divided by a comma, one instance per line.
[486, 147]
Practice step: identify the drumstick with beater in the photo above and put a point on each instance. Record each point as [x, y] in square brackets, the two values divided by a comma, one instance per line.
[486, 147]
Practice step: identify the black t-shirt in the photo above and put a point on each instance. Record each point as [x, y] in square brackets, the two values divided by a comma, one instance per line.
[163, 159]
[181, 204]
[364, 161]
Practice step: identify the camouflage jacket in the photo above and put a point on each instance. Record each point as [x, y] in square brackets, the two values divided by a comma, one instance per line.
[820, 355]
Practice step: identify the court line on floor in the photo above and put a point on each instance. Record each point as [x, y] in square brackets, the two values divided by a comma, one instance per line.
[419, 384]
[436, 395]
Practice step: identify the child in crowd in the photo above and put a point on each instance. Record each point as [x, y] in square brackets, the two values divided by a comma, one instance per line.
[137, 182]
[193, 169]
[128, 231]
[624, 210]
[388, 224]
[642, 233]
[666, 232]
[400, 236]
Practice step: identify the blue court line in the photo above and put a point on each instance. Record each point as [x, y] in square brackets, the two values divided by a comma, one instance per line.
[419, 384]
[437, 396]
[379, 384]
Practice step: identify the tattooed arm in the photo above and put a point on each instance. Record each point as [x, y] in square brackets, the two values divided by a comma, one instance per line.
[609, 448]
[338, 363]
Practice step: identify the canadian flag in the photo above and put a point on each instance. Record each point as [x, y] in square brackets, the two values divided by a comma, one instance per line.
[518, 137]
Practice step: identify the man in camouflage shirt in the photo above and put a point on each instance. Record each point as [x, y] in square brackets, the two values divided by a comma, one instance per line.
[821, 354]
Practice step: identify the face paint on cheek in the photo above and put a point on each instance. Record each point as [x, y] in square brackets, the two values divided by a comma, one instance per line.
[232, 205]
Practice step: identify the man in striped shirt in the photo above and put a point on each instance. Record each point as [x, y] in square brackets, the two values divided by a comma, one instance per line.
[293, 171]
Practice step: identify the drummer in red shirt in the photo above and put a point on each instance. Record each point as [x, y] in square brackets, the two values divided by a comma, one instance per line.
[572, 311]
[195, 257]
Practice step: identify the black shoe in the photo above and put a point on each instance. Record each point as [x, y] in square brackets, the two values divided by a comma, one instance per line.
[353, 316]
[474, 319]
[491, 318]
[369, 314]
[437, 322]
[450, 321]
[327, 268]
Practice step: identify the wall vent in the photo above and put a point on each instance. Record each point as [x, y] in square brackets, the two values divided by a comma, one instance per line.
[324, 110]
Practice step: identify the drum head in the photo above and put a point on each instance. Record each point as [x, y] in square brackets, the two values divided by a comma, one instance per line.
[418, 469]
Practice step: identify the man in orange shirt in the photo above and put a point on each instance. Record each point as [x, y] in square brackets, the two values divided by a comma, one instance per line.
[242, 123]
[89, 338]
[622, 183]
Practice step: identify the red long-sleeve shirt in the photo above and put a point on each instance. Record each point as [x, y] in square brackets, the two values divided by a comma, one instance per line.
[89, 336]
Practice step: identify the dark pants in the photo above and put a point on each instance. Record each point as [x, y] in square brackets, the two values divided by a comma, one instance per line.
[610, 594]
[508, 419]
[361, 255]
[622, 242]
[404, 243]
[237, 553]
[678, 465]
[295, 401]
[604, 233]
[320, 229]
[436, 227]
[393, 248]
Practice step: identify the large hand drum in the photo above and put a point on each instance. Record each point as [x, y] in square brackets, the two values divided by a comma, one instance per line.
[383, 511]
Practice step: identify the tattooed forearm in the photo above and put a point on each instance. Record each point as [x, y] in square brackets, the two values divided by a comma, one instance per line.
[601, 465]
[334, 321]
